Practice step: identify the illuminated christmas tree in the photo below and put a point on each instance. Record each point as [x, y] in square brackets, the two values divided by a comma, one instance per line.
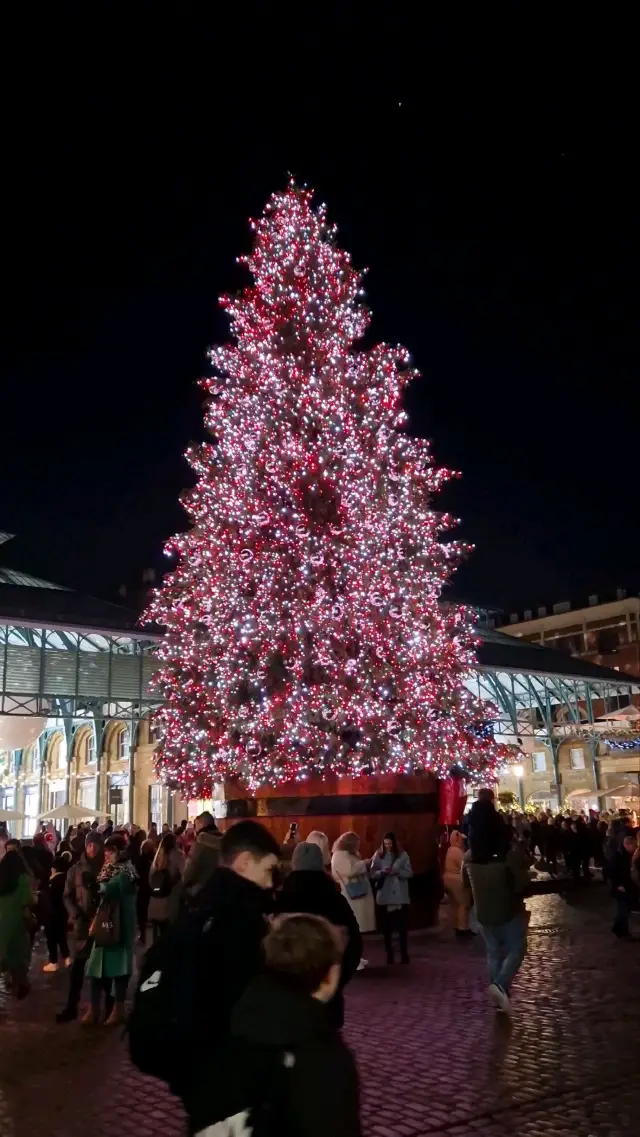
[304, 633]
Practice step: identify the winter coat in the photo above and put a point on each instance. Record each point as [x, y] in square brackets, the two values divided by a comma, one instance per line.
[81, 894]
[200, 867]
[498, 887]
[316, 893]
[285, 1068]
[56, 895]
[393, 888]
[160, 907]
[346, 867]
[452, 872]
[237, 906]
[621, 877]
[15, 941]
[119, 888]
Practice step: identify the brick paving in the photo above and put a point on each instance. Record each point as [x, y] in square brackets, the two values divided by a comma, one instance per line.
[433, 1056]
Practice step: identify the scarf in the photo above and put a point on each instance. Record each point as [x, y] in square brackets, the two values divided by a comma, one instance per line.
[107, 872]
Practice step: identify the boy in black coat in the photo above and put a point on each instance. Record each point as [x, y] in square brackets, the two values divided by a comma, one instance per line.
[285, 1070]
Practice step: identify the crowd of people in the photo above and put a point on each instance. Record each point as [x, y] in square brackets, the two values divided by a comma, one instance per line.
[262, 939]
[487, 874]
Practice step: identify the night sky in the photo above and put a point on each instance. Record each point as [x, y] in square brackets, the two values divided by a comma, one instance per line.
[480, 170]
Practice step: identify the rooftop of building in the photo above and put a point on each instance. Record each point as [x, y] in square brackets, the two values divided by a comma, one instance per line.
[582, 607]
[30, 599]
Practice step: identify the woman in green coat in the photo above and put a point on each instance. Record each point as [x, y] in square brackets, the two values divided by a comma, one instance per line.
[112, 966]
[16, 900]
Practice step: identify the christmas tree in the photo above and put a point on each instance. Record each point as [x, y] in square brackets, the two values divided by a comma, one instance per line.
[304, 633]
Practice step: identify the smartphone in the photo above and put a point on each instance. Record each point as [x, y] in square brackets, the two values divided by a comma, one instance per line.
[293, 828]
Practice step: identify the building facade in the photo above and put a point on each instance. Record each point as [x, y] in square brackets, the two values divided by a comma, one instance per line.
[601, 751]
[76, 698]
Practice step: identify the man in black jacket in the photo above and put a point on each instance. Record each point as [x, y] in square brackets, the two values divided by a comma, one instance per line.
[234, 901]
[284, 1068]
[81, 902]
[308, 888]
[624, 888]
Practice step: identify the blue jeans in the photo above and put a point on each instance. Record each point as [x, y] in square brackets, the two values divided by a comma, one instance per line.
[506, 946]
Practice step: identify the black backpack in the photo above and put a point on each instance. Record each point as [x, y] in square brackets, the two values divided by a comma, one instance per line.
[160, 883]
[171, 1000]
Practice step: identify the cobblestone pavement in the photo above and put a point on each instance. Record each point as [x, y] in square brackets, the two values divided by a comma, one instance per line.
[434, 1058]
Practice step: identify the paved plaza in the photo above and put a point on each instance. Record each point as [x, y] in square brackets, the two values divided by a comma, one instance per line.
[434, 1059]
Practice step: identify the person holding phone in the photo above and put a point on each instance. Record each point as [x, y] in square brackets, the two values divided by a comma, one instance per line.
[391, 872]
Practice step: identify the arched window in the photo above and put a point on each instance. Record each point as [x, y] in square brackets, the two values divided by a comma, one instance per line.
[90, 754]
[123, 743]
[32, 764]
[56, 756]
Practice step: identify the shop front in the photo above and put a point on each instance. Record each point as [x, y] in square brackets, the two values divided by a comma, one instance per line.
[119, 798]
[7, 798]
[57, 793]
[86, 792]
[30, 809]
[156, 813]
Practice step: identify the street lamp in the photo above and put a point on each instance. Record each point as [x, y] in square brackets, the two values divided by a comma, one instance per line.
[518, 772]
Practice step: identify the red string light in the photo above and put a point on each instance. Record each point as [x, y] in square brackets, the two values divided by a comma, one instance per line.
[304, 633]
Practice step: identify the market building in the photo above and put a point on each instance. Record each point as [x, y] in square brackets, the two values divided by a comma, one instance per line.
[76, 697]
[606, 634]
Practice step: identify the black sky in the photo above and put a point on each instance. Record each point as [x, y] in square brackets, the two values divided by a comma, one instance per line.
[483, 169]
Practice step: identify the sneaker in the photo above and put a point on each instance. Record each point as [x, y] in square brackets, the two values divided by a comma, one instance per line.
[499, 998]
[50, 967]
[361, 966]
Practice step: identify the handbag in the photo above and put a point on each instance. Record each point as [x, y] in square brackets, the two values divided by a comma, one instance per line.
[105, 926]
[356, 889]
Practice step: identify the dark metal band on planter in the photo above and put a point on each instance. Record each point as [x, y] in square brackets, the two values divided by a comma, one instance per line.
[335, 805]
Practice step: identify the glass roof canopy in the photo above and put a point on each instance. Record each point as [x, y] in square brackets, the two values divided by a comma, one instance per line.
[74, 671]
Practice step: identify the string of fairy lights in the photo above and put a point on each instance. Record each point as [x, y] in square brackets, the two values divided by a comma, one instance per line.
[304, 634]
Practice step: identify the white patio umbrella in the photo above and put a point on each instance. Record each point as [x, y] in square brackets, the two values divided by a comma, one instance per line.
[10, 815]
[69, 813]
[628, 714]
[626, 791]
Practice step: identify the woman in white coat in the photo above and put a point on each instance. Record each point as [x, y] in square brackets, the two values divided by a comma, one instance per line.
[352, 874]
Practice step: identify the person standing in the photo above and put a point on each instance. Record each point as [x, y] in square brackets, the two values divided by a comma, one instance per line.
[164, 876]
[113, 965]
[56, 926]
[233, 904]
[391, 872]
[201, 865]
[309, 888]
[142, 864]
[352, 874]
[624, 887]
[498, 877]
[452, 880]
[81, 901]
[16, 903]
[317, 837]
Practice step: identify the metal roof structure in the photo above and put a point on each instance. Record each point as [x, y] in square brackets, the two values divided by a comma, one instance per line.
[501, 652]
